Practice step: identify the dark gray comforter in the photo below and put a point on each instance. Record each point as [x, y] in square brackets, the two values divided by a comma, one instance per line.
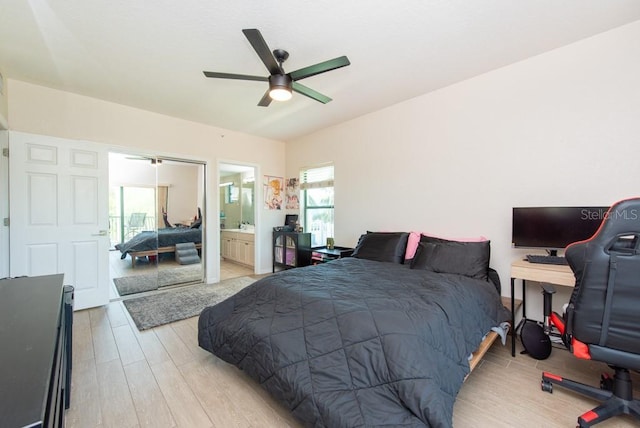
[356, 342]
[151, 240]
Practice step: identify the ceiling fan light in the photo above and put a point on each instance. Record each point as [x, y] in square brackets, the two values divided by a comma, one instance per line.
[280, 87]
[280, 94]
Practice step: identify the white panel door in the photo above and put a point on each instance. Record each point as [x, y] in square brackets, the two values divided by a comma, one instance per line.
[59, 213]
[4, 206]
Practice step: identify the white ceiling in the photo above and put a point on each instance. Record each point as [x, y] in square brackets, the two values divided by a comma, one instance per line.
[151, 54]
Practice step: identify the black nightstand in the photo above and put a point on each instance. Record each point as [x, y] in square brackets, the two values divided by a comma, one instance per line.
[323, 254]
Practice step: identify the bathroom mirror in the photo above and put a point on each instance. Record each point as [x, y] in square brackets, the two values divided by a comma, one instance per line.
[237, 196]
[247, 196]
[232, 193]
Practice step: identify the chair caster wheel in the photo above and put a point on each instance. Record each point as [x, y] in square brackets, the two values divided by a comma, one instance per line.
[606, 382]
[547, 386]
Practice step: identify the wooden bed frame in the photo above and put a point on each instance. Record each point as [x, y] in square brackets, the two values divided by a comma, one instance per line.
[486, 343]
[169, 249]
[482, 349]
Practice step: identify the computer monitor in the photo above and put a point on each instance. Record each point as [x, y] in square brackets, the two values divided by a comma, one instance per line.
[291, 220]
[553, 228]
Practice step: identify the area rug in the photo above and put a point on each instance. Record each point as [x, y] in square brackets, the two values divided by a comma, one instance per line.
[148, 282]
[181, 303]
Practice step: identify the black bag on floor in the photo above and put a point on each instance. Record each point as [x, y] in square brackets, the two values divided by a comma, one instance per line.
[534, 340]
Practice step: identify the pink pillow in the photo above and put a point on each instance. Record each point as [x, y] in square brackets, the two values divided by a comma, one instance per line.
[412, 245]
[414, 240]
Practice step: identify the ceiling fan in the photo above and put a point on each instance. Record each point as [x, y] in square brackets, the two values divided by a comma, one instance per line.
[280, 83]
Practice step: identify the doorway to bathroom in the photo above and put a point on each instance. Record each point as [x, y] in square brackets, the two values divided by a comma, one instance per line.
[237, 201]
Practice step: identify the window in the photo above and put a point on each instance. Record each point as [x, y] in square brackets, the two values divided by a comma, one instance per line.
[316, 185]
[132, 210]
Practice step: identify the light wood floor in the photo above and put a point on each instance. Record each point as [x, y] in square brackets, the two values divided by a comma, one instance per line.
[161, 378]
[233, 270]
[122, 267]
[119, 268]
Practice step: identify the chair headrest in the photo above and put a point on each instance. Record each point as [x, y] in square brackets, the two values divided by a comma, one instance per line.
[622, 220]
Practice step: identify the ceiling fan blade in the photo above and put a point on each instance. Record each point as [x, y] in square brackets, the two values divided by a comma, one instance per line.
[304, 90]
[260, 46]
[235, 76]
[266, 100]
[321, 67]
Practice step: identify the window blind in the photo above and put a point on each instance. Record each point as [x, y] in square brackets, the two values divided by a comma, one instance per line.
[314, 178]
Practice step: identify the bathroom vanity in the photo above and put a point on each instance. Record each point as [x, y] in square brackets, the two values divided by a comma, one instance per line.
[238, 245]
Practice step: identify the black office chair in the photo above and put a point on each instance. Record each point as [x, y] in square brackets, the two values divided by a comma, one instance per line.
[602, 321]
[165, 219]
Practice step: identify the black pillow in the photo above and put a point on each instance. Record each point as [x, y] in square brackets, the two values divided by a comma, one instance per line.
[463, 258]
[382, 246]
[196, 224]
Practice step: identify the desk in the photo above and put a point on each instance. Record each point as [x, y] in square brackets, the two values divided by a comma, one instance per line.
[522, 269]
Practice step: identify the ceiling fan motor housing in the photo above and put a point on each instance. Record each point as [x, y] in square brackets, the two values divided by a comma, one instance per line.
[280, 81]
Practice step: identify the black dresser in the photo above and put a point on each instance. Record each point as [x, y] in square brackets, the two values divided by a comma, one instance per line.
[36, 316]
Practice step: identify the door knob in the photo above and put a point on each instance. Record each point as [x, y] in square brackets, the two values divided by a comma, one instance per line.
[101, 233]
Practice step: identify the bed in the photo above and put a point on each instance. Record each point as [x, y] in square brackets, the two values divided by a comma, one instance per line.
[365, 340]
[151, 243]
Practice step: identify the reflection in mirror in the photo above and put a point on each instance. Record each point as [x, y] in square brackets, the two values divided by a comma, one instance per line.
[232, 192]
[229, 207]
[153, 203]
[237, 198]
[246, 203]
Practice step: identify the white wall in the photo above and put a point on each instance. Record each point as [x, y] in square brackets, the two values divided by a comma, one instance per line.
[562, 128]
[4, 106]
[182, 202]
[41, 110]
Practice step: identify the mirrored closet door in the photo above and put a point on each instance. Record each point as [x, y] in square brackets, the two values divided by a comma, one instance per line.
[155, 211]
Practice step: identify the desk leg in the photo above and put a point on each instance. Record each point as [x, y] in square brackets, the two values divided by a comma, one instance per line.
[513, 314]
[513, 319]
[524, 300]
